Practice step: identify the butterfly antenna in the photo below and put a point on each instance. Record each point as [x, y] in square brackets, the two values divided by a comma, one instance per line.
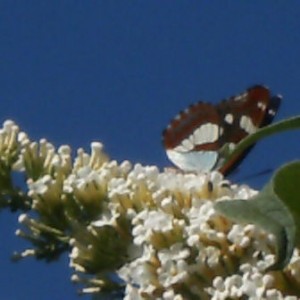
[257, 174]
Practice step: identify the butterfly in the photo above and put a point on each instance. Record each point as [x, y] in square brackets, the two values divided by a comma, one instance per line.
[194, 138]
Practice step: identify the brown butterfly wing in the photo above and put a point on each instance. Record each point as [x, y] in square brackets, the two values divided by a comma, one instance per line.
[243, 115]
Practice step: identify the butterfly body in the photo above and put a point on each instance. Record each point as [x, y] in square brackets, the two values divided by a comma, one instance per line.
[194, 139]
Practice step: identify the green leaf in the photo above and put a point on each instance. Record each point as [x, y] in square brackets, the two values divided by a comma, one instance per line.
[275, 209]
[287, 124]
[287, 187]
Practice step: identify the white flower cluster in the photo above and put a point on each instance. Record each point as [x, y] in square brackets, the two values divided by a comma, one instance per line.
[182, 249]
[158, 231]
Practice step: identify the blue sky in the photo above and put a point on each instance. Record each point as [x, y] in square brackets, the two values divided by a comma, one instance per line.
[117, 71]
